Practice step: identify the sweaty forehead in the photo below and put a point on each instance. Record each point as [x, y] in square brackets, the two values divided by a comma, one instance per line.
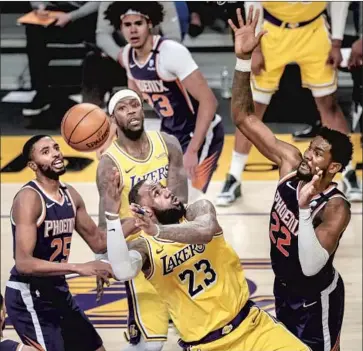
[321, 143]
[44, 142]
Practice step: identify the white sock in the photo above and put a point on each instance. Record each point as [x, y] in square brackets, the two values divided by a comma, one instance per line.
[348, 168]
[237, 164]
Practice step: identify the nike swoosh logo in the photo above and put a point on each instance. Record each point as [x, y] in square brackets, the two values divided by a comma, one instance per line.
[129, 170]
[50, 205]
[161, 155]
[290, 186]
[158, 251]
[132, 65]
[112, 230]
[310, 304]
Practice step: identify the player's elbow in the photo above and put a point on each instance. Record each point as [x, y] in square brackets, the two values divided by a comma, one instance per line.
[123, 273]
[23, 266]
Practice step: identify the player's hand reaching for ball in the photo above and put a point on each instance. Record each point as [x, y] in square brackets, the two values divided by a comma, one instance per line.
[112, 197]
[309, 190]
[244, 34]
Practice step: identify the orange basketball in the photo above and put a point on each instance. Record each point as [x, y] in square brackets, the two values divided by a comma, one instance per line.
[85, 127]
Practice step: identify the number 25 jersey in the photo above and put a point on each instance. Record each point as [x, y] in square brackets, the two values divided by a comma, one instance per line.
[203, 286]
[159, 79]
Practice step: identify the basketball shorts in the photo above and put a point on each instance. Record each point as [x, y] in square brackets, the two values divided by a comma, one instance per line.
[317, 321]
[208, 154]
[148, 315]
[258, 331]
[46, 316]
[308, 47]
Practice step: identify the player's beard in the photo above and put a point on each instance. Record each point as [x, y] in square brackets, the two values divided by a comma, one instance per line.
[48, 172]
[307, 177]
[133, 134]
[171, 215]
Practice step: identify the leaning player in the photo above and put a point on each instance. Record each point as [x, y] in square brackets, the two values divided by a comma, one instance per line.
[298, 32]
[7, 344]
[139, 155]
[43, 216]
[170, 81]
[183, 253]
[309, 214]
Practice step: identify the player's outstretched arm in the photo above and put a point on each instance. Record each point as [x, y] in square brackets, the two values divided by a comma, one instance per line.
[284, 155]
[27, 215]
[177, 180]
[200, 227]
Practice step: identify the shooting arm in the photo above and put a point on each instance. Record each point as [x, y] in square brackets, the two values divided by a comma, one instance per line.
[284, 155]
[27, 212]
[315, 246]
[177, 180]
[201, 225]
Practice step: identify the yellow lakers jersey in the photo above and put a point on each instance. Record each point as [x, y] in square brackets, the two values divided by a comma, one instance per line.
[132, 170]
[294, 11]
[203, 286]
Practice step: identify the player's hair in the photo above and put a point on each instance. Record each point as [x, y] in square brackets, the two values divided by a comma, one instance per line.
[152, 9]
[1, 301]
[28, 146]
[341, 146]
[134, 196]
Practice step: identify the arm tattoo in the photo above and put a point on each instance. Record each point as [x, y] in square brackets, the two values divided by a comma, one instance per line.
[140, 246]
[242, 101]
[105, 166]
[177, 180]
[202, 225]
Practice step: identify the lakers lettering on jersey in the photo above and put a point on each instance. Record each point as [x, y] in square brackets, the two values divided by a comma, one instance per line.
[294, 11]
[153, 167]
[208, 289]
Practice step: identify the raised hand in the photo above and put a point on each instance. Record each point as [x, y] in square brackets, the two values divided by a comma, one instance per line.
[144, 221]
[310, 189]
[245, 38]
[112, 197]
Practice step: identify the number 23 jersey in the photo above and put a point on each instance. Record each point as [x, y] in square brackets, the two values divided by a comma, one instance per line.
[203, 285]
[160, 78]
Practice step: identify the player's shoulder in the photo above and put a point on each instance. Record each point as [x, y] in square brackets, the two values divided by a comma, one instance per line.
[27, 193]
[171, 47]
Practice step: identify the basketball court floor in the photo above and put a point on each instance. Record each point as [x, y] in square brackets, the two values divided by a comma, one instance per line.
[245, 226]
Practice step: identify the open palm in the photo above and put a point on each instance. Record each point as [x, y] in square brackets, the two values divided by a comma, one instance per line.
[245, 38]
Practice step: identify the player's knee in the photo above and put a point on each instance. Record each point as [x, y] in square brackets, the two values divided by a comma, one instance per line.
[153, 346]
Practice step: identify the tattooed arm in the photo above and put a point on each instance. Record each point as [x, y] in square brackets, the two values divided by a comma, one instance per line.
[200, 227]
[177, 178]
[284, 155]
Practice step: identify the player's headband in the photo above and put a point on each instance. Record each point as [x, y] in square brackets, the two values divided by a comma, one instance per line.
[133, 12]
[122, 94]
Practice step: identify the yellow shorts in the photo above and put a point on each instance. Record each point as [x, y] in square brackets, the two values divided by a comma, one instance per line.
[148, 315]
[308, 46]
[258, 332]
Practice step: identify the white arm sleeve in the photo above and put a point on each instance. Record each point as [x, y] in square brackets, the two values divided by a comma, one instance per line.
[312, 255]
[338, 14]
[125, 264]
[176, 60]
[256, 5]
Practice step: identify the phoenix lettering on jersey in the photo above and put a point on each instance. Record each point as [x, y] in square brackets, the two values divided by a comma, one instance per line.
[157, 175]
[286, 216]
[174, 261]
[151, 86]
[58, 227]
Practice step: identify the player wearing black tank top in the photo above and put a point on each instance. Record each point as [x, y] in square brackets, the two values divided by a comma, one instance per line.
[308, 216]
[43, 216]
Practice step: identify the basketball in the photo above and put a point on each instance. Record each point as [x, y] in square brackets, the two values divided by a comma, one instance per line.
[85, 127]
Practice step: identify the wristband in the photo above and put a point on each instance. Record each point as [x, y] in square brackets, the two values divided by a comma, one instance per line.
[243, 65]
[112, 214]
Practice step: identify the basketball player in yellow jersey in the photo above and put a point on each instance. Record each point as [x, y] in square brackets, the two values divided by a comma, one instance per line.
[184, 255]
[139, 155]
[297, 33]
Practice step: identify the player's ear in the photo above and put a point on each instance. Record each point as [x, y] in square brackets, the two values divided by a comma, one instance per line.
[32, 165]
[334, 167]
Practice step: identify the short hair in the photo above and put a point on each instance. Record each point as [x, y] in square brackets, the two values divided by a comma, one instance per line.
[134, 196]
[152, 9]
[28, 146]
[341, 146]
